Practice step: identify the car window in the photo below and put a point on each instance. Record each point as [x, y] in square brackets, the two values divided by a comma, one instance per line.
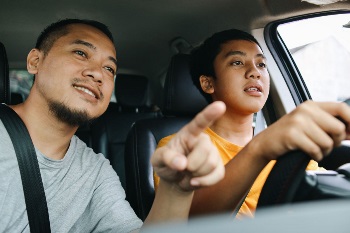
[320, 48]
[20, 82]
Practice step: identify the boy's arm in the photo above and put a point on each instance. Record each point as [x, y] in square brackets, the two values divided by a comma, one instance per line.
[188, 162]
[311, 127]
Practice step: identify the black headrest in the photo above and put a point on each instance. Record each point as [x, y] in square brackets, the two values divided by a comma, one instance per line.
[181, 96]
[5, 96]
[17, 98]
[131, 90]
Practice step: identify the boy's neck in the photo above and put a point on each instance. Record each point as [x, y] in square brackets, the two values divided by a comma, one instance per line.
[237, 130]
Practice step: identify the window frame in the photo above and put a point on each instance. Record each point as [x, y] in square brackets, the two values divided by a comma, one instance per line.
[284, 59]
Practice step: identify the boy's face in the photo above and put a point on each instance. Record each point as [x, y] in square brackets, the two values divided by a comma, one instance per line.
[242, 80]
[78, 71]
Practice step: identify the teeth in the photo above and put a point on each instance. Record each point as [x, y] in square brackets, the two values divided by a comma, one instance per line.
[252, 89]
[87, 91]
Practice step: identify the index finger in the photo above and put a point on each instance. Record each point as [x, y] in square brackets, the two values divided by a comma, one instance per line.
[205, 118]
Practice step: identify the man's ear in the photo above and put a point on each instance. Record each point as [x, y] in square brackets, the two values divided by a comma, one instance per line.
[207, 84]
[33, 61]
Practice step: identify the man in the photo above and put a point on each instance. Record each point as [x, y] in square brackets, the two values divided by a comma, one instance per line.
[231, 67]
[74, 64]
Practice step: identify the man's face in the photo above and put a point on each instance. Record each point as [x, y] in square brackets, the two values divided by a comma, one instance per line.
[77, 74]
[242, 80]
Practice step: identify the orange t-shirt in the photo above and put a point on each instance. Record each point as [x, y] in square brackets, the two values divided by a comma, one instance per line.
[228, 151]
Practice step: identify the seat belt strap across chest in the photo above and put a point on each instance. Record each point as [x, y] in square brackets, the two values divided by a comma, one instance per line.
[259, 126]
[33, 188]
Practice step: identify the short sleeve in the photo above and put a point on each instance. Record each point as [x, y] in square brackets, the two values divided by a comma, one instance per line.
[161, 143]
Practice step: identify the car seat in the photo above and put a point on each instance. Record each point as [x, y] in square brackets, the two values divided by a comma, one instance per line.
[107, 134]
[182, 100]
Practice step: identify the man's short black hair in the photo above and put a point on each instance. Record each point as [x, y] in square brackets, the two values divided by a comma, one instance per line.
[203, 56]
[58, 29]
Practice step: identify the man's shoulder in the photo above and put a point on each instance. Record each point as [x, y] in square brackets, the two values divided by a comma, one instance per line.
[86, 152]
[5, 140]
[87, 161]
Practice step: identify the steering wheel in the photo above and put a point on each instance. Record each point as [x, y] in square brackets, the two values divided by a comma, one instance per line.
[289, 171]
[284, 179]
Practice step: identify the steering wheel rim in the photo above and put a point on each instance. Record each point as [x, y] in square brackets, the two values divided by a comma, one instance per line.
[289, 171]
[285, 177]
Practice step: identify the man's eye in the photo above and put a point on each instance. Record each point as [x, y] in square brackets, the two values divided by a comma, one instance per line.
[80, 53]
[236, 63]
[110, 70]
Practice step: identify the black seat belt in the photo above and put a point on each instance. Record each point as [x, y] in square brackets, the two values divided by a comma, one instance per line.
[33, 188]
[259, 126]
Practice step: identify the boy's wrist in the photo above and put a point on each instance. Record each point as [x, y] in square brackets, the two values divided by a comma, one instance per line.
[256, 149]
[174, 189]
[170, 203]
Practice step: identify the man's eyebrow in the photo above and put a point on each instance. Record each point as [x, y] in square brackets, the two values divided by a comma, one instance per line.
[87, 44]
[91, 46]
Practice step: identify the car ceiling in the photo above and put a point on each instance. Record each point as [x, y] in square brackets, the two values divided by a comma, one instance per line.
[142, 29]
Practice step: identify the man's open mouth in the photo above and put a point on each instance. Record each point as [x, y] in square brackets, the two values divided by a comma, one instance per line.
[86, 90]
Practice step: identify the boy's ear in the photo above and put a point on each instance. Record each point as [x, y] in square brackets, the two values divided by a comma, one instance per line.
[33, 60]
[206, 84]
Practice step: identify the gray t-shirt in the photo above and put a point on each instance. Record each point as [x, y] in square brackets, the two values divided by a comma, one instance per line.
[83, 192]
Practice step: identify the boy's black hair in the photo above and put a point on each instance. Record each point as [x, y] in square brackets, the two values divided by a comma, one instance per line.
[203, 56]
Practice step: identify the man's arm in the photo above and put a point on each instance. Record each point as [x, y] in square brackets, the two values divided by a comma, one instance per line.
[311, 127]
[188, 162]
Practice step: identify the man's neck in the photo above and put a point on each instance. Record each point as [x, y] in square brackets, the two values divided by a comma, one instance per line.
[50, 136]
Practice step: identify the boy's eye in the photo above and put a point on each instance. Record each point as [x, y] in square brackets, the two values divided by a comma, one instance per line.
[263, 65]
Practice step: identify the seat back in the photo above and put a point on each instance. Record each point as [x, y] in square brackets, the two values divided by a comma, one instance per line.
[182, 100]
[5, 96]
[17, 98]
[131, 92]
[107, 134]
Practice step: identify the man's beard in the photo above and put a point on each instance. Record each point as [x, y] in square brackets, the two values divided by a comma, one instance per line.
[70, 116]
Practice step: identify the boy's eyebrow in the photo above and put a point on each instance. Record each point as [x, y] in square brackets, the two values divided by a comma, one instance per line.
[91, 46]
[232, 53]
[237, 52]
[261, 55]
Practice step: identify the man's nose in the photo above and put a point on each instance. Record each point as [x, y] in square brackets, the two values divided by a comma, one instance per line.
[95, 72]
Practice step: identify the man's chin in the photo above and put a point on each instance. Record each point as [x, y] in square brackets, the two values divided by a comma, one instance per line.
[72, 117]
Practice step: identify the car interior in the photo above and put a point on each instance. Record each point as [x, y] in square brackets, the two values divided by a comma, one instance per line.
[182, 101]
[154, 95]
[4, 76]
[107, 134]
